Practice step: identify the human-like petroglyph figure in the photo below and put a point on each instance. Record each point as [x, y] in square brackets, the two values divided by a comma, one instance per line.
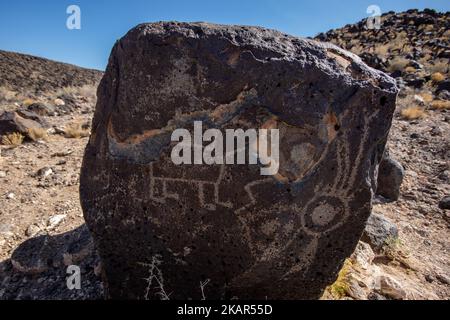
[280, 236]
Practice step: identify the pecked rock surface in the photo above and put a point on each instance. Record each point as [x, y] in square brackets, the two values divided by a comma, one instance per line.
[224, 231]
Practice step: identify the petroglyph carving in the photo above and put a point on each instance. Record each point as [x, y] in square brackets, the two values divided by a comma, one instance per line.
[252, 236]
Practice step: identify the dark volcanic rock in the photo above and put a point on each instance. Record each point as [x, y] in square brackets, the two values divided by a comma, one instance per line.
[41, 109]
[164, 231]
[390, 178]
[445, 203]
[11, 122]
[379, 230]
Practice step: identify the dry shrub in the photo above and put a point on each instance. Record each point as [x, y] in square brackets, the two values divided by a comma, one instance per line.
[36, 134]
[440, 104]
[27, 102]
[439, 66]
[412, 113]
[76, 131]
[12, 139]
[398, 64]
[437, 77]
[6, 94]
[381, 50]
[410, 69]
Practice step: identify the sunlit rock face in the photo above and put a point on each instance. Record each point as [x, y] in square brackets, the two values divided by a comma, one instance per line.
[225, 231]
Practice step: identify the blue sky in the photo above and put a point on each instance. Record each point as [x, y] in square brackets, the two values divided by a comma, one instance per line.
[39, 27]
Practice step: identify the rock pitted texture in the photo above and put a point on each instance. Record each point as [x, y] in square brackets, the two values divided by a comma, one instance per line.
[390, 177]
[224, 231]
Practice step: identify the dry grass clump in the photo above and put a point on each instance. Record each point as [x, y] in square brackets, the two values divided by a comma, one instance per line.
[76, 131]
[6, 94]
[413, 113]
[440, 104]
[87, 91]
[439, 66]
[339, 288]
[398, 64]
[381, 50]
[437, 77]
[36, 134]
[427, 97]
[410, 69]
[12, 139]
[27, 102]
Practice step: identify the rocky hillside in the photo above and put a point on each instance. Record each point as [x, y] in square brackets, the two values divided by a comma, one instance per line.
[414, 47]
[21, 73]
[403, 254]
[405, 245]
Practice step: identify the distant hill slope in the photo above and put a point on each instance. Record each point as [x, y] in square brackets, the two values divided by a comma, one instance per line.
[21, 72]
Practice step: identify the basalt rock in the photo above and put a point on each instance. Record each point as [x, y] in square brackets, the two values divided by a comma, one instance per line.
[225, 231]
[22, 122]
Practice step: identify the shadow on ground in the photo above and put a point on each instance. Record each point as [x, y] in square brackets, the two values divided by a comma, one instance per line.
[37, 268]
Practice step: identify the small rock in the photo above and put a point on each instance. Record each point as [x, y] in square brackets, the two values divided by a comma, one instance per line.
[51, 131]
[62, 154]
[376, 296]
[378, 230]
[363, 255]
[59, 102]
[444, 95]
[436, 131]
[13, 122]
[419, 100]
[2, 174]
[44, 172]
[6, 230]
[56, 220]
[443, 85]
[11, 196]
[59, 130]
[41, 109]
[32, 230]
[415, 64]
[429, 278]
[390, 287]
[445, 203]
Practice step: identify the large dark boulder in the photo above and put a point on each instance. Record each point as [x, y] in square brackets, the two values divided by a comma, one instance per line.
[11, 122]
[224, 231]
